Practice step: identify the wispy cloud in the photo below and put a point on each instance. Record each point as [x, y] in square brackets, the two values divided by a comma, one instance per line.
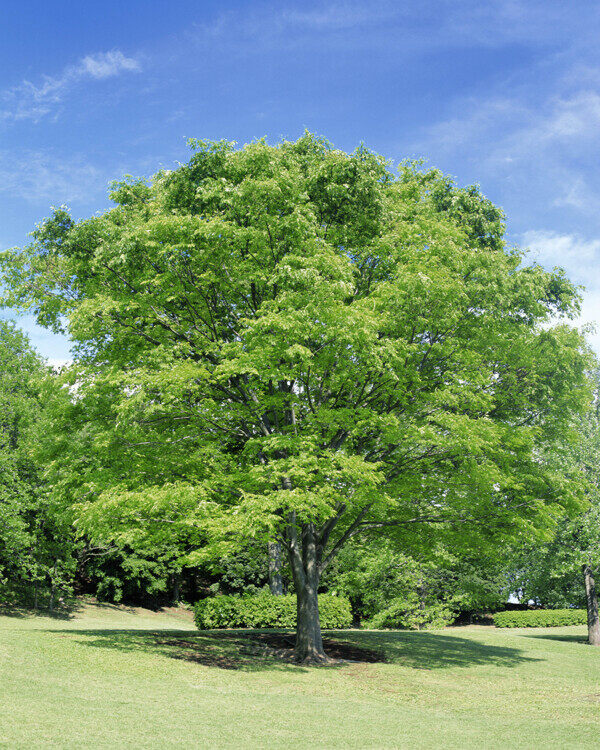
[566, 250]
[494, 24]
[49, 178]
[334, 17]
[513, 126]
[446, 24]
[32, 101]
[323, 17]
[38, 176]
[536, 147]
[579, 195]
[107, 64]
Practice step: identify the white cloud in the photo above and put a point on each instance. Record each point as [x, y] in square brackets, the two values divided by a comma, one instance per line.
[107, 64]
[446, 24]
[580, 258]
[513, 21]
[34, 101]
[565, 250]
[334, 17]
[536, 148]
[565, 119]
[404, 29]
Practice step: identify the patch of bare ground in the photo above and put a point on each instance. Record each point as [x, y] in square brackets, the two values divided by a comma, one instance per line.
[242, 650]
[283, 646]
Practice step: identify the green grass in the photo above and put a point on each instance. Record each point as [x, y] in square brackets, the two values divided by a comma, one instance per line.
[109, 677]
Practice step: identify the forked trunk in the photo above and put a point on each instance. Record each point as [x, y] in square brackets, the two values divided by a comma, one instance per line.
[275, 565]
[306, 545]
[592, 606]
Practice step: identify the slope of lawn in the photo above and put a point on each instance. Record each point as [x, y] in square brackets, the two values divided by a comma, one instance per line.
[110, 677]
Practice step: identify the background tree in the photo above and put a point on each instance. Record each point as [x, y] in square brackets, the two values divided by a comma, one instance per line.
[290, 343]
[35, 539]
[388, 588]
[561, 572]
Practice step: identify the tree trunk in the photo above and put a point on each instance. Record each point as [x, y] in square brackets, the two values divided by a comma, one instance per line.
[306, 552]
[304, 561]
[309, 643]
[592, 606]
[275, 564]
[52, 588]
[421, 591]
[176, 586]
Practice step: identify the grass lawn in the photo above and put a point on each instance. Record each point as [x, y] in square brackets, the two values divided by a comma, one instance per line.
[110, 677]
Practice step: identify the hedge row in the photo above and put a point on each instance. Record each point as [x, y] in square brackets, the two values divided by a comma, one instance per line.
[540, 618]
[266, 611]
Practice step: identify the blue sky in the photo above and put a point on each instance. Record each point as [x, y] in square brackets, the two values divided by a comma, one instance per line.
[506, 94]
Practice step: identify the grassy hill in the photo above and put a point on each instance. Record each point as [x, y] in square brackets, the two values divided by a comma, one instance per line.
[113, 677]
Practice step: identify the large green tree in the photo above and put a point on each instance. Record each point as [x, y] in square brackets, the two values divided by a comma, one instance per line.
[289, 342]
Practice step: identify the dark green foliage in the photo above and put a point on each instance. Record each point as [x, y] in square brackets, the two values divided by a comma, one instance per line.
[266, 611]
[245, 572]
[125, 575]
[540, 618]
[389, 589]
[549, 574]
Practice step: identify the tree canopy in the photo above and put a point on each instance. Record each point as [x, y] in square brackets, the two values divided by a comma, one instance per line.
[291, 342]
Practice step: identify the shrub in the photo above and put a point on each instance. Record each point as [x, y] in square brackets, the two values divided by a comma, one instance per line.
[540, 618]
[403, 613]
[266, 611]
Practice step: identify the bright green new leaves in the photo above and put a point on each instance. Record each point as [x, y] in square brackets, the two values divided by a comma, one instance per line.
[290, 334]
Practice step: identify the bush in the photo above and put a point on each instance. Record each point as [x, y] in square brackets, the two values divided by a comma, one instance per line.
[540, 618]
[266, 611]
[402, 613]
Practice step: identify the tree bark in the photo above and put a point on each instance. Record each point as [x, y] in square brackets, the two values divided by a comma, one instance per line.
[309, 642]
[304, 556]
[176, 587]
[275, 565]
[306, 546]
[592, 606]
[52, 588]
